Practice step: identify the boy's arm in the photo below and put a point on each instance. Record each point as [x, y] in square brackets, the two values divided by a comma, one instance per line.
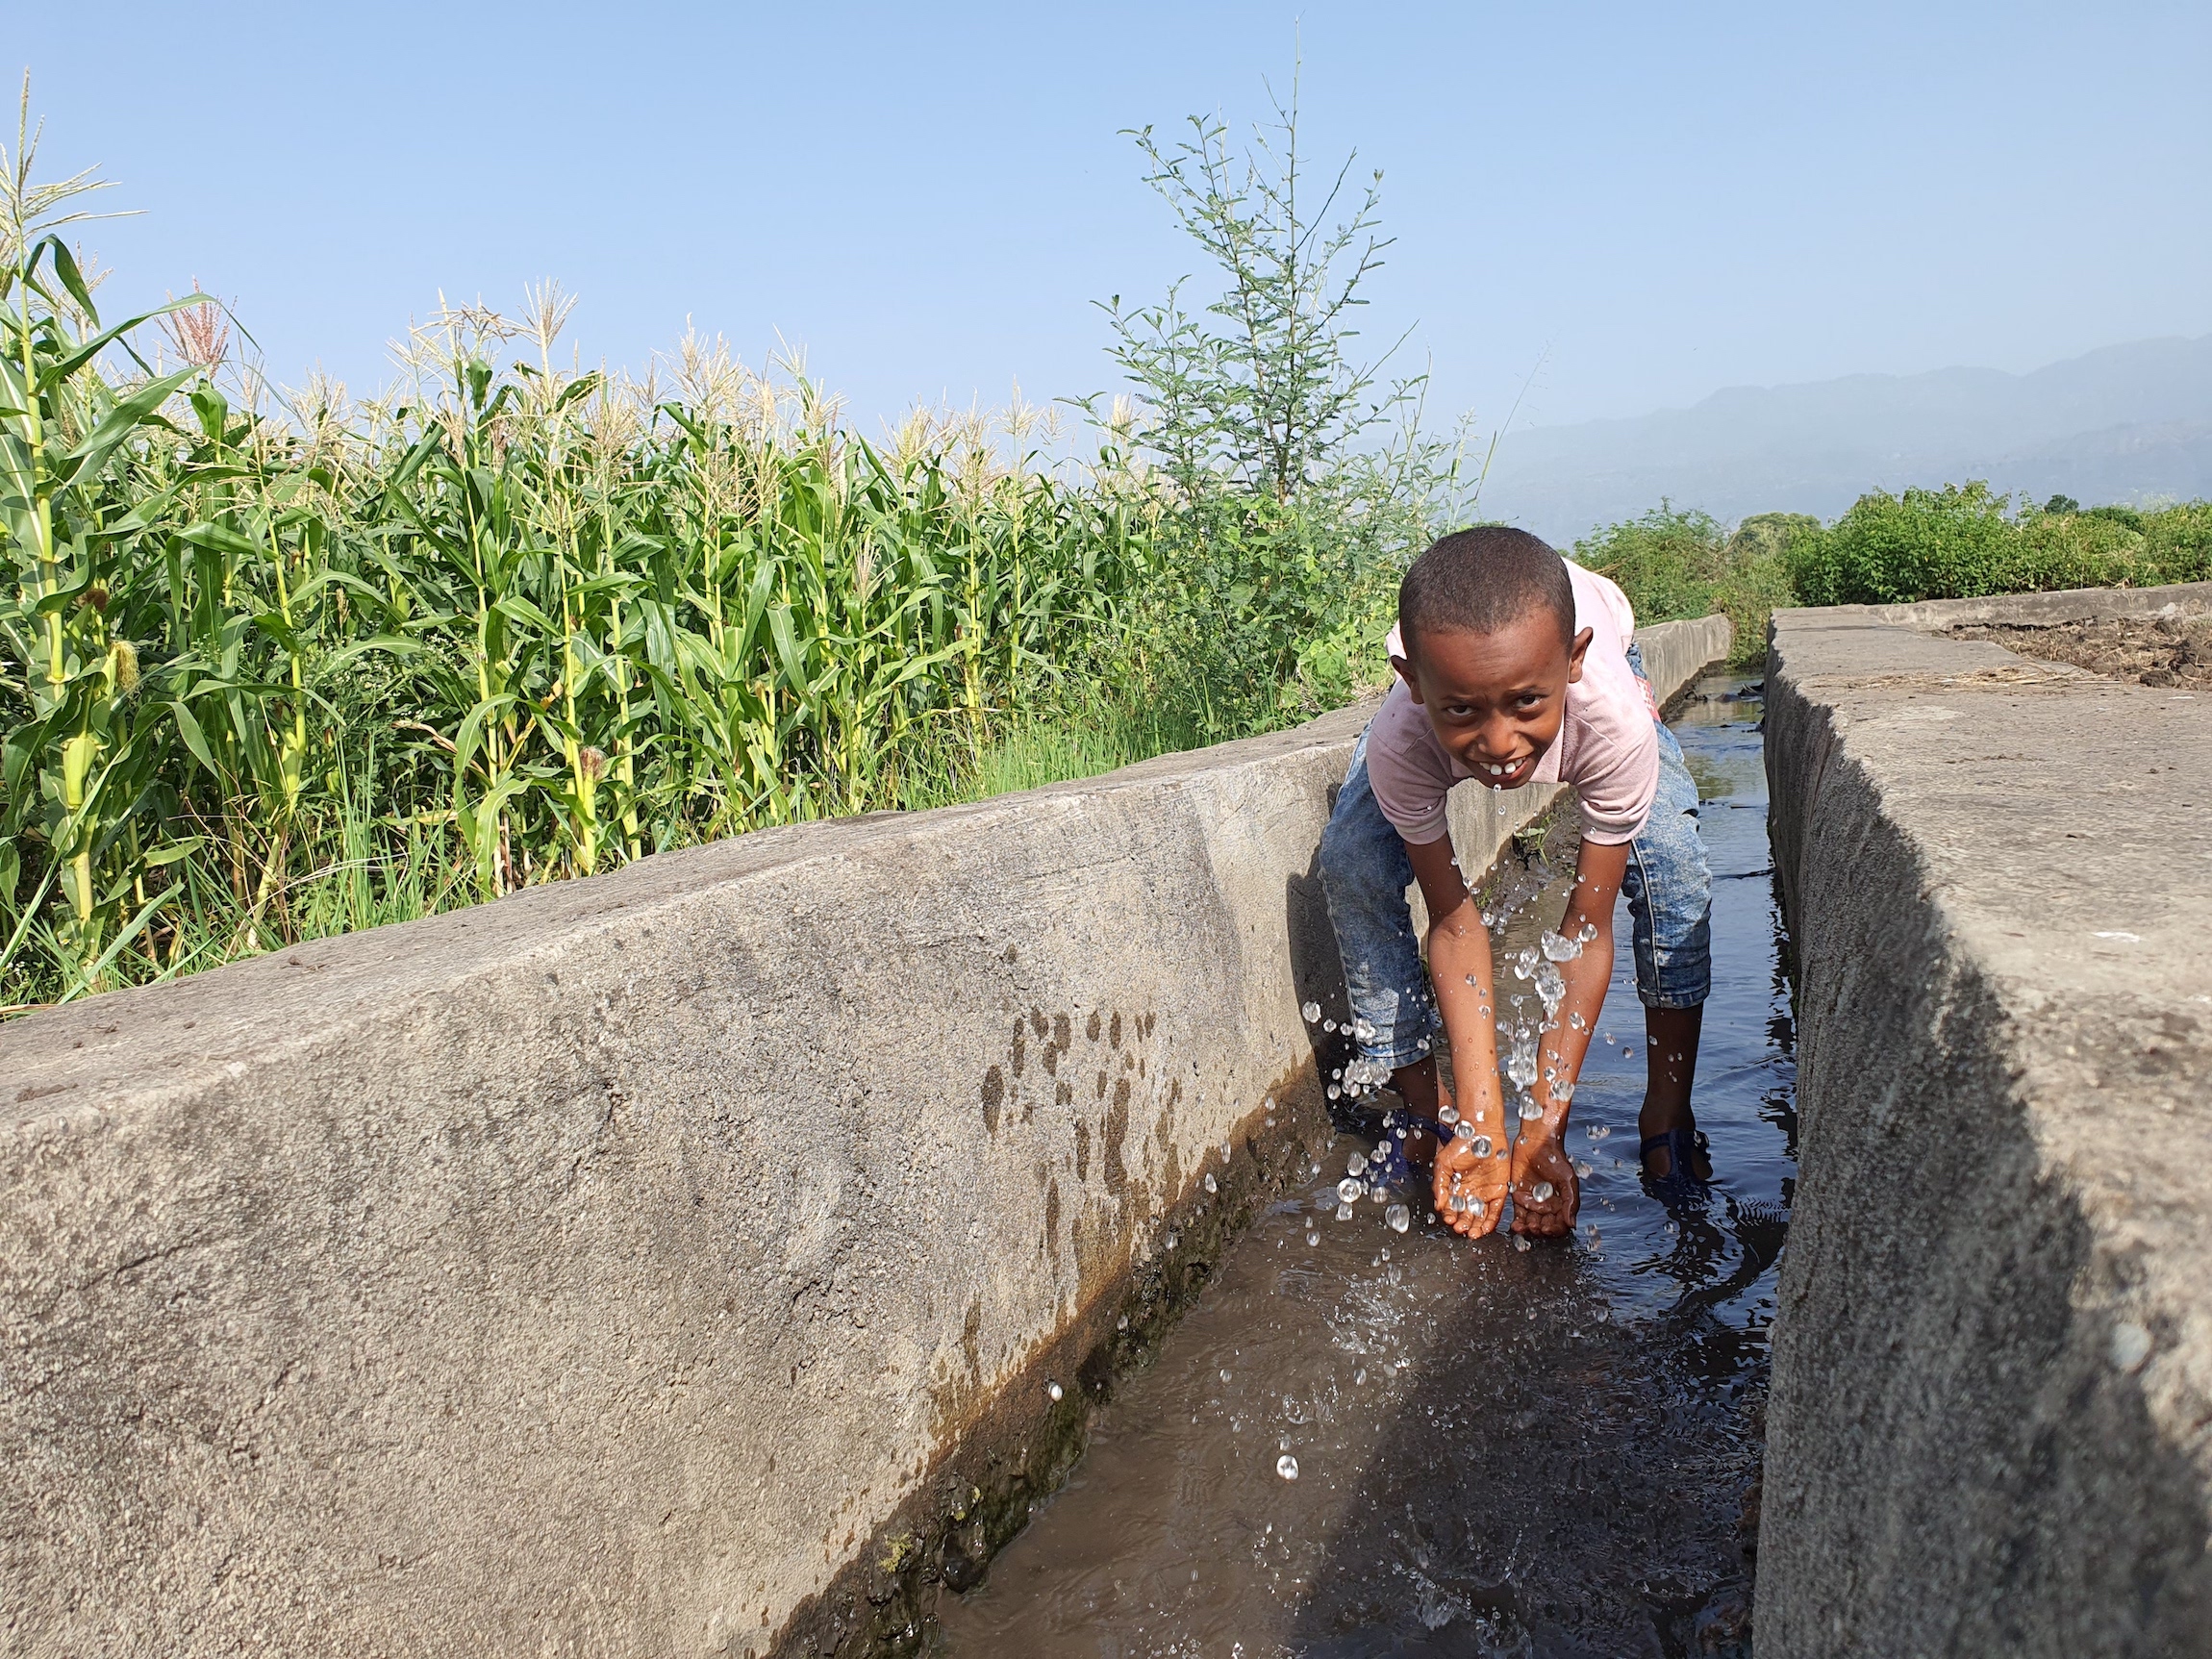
[1460, 968]
[1541, 1155]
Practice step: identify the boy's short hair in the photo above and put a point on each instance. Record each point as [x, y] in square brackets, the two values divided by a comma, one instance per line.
[1481, 580]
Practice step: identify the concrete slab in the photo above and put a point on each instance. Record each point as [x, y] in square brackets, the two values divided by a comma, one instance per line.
[1993, 1359]
[703, 1258]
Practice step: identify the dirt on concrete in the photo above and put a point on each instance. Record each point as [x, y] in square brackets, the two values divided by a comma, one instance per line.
[2167, 651]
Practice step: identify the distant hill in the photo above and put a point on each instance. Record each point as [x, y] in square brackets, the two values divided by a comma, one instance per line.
[2121, 424]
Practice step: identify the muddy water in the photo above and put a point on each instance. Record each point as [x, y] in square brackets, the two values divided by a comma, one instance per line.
[1551, 1451]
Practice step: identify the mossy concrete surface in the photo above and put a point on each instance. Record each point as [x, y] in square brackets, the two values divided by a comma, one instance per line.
[710, 1257]
[1991, 1423]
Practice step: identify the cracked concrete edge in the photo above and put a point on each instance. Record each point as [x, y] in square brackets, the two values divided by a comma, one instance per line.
[626, 1266]
[1993, 1349]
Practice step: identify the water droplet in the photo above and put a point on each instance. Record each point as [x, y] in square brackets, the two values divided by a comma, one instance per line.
[1530, 1111]
[1478, 1145]
[1226, 1152]
[1399, 1216]
[1344, 1212]
[1590, 1236]
[1212, 1185]
[1121, 1323]
[1053, 1389]
[1356, 1164]
[2131, 1345]
[1225, 1373]
[1312, 1011]
[1542, 1192]
[1350, 1191]
[1328, 1025]
[1560, 950]
[1447, 1115]
[1313, 1238]
[1522, 1243]
[1287, 1467]
[1335, 1092]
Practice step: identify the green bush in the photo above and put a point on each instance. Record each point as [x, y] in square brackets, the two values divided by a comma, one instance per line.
[1964, 541]
[2177, 542]
[1923, 544]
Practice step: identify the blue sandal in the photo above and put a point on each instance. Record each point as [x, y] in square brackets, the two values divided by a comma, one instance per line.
[1681, 1181]
[1392, 1169]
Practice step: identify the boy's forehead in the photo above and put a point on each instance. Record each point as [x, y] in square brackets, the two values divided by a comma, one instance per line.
[1528, 647]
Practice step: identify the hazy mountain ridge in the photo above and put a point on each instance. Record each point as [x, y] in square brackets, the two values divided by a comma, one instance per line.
[2122, 423]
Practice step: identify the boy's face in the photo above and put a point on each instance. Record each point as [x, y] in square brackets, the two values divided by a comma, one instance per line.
[1495, 700]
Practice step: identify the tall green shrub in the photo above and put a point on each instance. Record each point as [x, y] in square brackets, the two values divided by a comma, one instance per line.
[1673, 564]
[1302, 485]
[1921, 545]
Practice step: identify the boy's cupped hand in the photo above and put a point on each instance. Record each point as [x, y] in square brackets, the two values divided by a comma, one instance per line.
[1460, 1174]
[1539, 1162]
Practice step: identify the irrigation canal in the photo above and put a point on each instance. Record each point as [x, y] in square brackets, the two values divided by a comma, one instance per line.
[1551, 1451]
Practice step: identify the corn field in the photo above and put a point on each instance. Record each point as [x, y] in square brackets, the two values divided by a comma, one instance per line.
[274, 667]
[271, 676]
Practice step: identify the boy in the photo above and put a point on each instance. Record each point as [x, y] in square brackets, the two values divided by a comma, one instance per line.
[1516, 668]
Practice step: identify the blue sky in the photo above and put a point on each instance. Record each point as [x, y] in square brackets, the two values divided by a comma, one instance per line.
[1638, 205]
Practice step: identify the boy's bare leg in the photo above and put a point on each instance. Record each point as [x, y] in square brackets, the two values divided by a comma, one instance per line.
[1670, 1045]
[1418, 1087]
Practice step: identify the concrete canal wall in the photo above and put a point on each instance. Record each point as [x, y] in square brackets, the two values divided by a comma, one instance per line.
[1991, 1424]
[682, 1261]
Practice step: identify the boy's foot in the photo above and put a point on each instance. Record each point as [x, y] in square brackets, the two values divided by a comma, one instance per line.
[1676, 1163]
[1405, 1152]
[1472, 1177]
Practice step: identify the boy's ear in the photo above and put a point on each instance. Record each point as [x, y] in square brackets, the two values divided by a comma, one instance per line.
[1576, 652]
[1405, 673]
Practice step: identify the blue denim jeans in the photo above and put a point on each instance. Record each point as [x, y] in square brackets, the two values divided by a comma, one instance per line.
[1365, 873]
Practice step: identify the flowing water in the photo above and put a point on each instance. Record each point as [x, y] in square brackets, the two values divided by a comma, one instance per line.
[1548, 1451]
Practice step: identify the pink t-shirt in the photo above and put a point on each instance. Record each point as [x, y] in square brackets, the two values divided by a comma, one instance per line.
[1608, 747]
